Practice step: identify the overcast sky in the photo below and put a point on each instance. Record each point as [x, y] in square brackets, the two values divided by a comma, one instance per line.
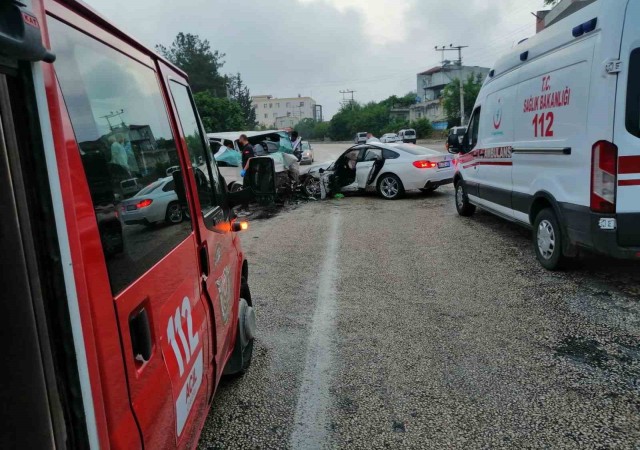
[319, 47]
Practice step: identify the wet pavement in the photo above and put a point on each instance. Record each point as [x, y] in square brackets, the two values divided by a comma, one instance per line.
[401, 325]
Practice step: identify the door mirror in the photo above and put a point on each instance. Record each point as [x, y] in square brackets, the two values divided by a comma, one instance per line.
[259, 183]
[321, 171]
[453, 144]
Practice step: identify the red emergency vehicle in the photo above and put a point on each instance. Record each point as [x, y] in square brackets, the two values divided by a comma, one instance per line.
[126, 293]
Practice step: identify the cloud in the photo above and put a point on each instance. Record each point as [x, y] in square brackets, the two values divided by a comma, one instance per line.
[383, 19]
[319, 47]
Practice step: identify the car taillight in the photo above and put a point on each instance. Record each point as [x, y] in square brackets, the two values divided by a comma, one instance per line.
[144, 203]
[424, 164]
[604, 177]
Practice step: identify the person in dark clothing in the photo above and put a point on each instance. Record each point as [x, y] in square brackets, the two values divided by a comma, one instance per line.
[247, 153]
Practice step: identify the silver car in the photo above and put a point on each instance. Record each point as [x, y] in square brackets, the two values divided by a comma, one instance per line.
[307, 153]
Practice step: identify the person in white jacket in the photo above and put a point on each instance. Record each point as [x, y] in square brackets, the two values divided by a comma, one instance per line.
[371, 138]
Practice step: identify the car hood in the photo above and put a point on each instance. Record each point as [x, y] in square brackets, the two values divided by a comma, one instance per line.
[315, 168]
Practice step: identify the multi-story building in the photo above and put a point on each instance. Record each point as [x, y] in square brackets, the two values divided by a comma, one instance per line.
[430, 85]
[283, 112]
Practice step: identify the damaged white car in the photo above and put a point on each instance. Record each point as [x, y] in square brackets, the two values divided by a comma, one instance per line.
[389, 169]
[274, 144]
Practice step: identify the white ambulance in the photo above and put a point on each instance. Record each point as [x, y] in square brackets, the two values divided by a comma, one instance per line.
[554, 139]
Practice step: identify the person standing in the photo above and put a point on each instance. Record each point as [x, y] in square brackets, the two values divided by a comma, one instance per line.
[132, 162]
[372, 138]
[247, 153]
[296, 141]
[118, 153]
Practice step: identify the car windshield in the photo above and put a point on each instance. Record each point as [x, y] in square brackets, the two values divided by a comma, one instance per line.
[306, 146]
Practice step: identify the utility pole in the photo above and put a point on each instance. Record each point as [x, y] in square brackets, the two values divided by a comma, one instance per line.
[459, 64]
[113, 115]
[344, 98]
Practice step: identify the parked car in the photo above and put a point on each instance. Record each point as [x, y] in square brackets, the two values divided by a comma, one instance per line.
[408, 136]
[390, 138]
[389, 169]
[361, 138]
[307, 153]
[554, 138]
[155, 203]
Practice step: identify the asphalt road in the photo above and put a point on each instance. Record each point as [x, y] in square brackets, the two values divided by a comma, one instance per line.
[401, 325]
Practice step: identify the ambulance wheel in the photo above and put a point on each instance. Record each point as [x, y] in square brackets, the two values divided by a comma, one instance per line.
[464, 207]
[547, 240]
[240, 359]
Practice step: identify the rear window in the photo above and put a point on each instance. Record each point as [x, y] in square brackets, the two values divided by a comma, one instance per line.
[416, 150]
[409, 133]
[388, 154]
[633, 94]
[152, 187]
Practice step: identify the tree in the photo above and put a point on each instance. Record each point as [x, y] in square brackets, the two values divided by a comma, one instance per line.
[202, 65]
[241, 94]
[451, 97]
[219, 114]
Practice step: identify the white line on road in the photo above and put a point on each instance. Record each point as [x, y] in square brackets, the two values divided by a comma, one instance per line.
[311, 427]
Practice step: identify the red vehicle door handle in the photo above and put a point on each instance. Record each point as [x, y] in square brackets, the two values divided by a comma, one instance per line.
[204, 260]
[140, 336]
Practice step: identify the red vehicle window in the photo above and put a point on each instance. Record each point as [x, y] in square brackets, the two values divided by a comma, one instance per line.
[126, 144]
[211, 190]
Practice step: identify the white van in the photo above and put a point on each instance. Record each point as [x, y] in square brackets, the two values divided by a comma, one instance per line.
[408, 136]
[554, 139]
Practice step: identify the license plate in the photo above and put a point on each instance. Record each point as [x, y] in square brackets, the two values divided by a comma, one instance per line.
[608, 224]
[131, 207]
[444, 164]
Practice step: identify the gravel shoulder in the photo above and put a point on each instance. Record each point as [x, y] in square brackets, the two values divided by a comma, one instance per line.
[446, 333]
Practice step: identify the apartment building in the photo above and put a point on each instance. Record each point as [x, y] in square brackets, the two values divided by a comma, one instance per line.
[430, 85]
[274, 112]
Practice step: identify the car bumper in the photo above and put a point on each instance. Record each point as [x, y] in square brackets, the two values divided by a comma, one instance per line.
[584, 230]
[426, 178]
[139, 217]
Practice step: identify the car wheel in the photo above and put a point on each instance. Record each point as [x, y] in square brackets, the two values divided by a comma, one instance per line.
[548, 240]
[464, 207]
[311, 187]
[235, 187]
[174, 213]
[240, 359]
[390, 187]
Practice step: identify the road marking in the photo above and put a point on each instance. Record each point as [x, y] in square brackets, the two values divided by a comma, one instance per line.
[310, 424]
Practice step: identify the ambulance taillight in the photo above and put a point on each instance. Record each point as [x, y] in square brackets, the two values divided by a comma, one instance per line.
[604, 177]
